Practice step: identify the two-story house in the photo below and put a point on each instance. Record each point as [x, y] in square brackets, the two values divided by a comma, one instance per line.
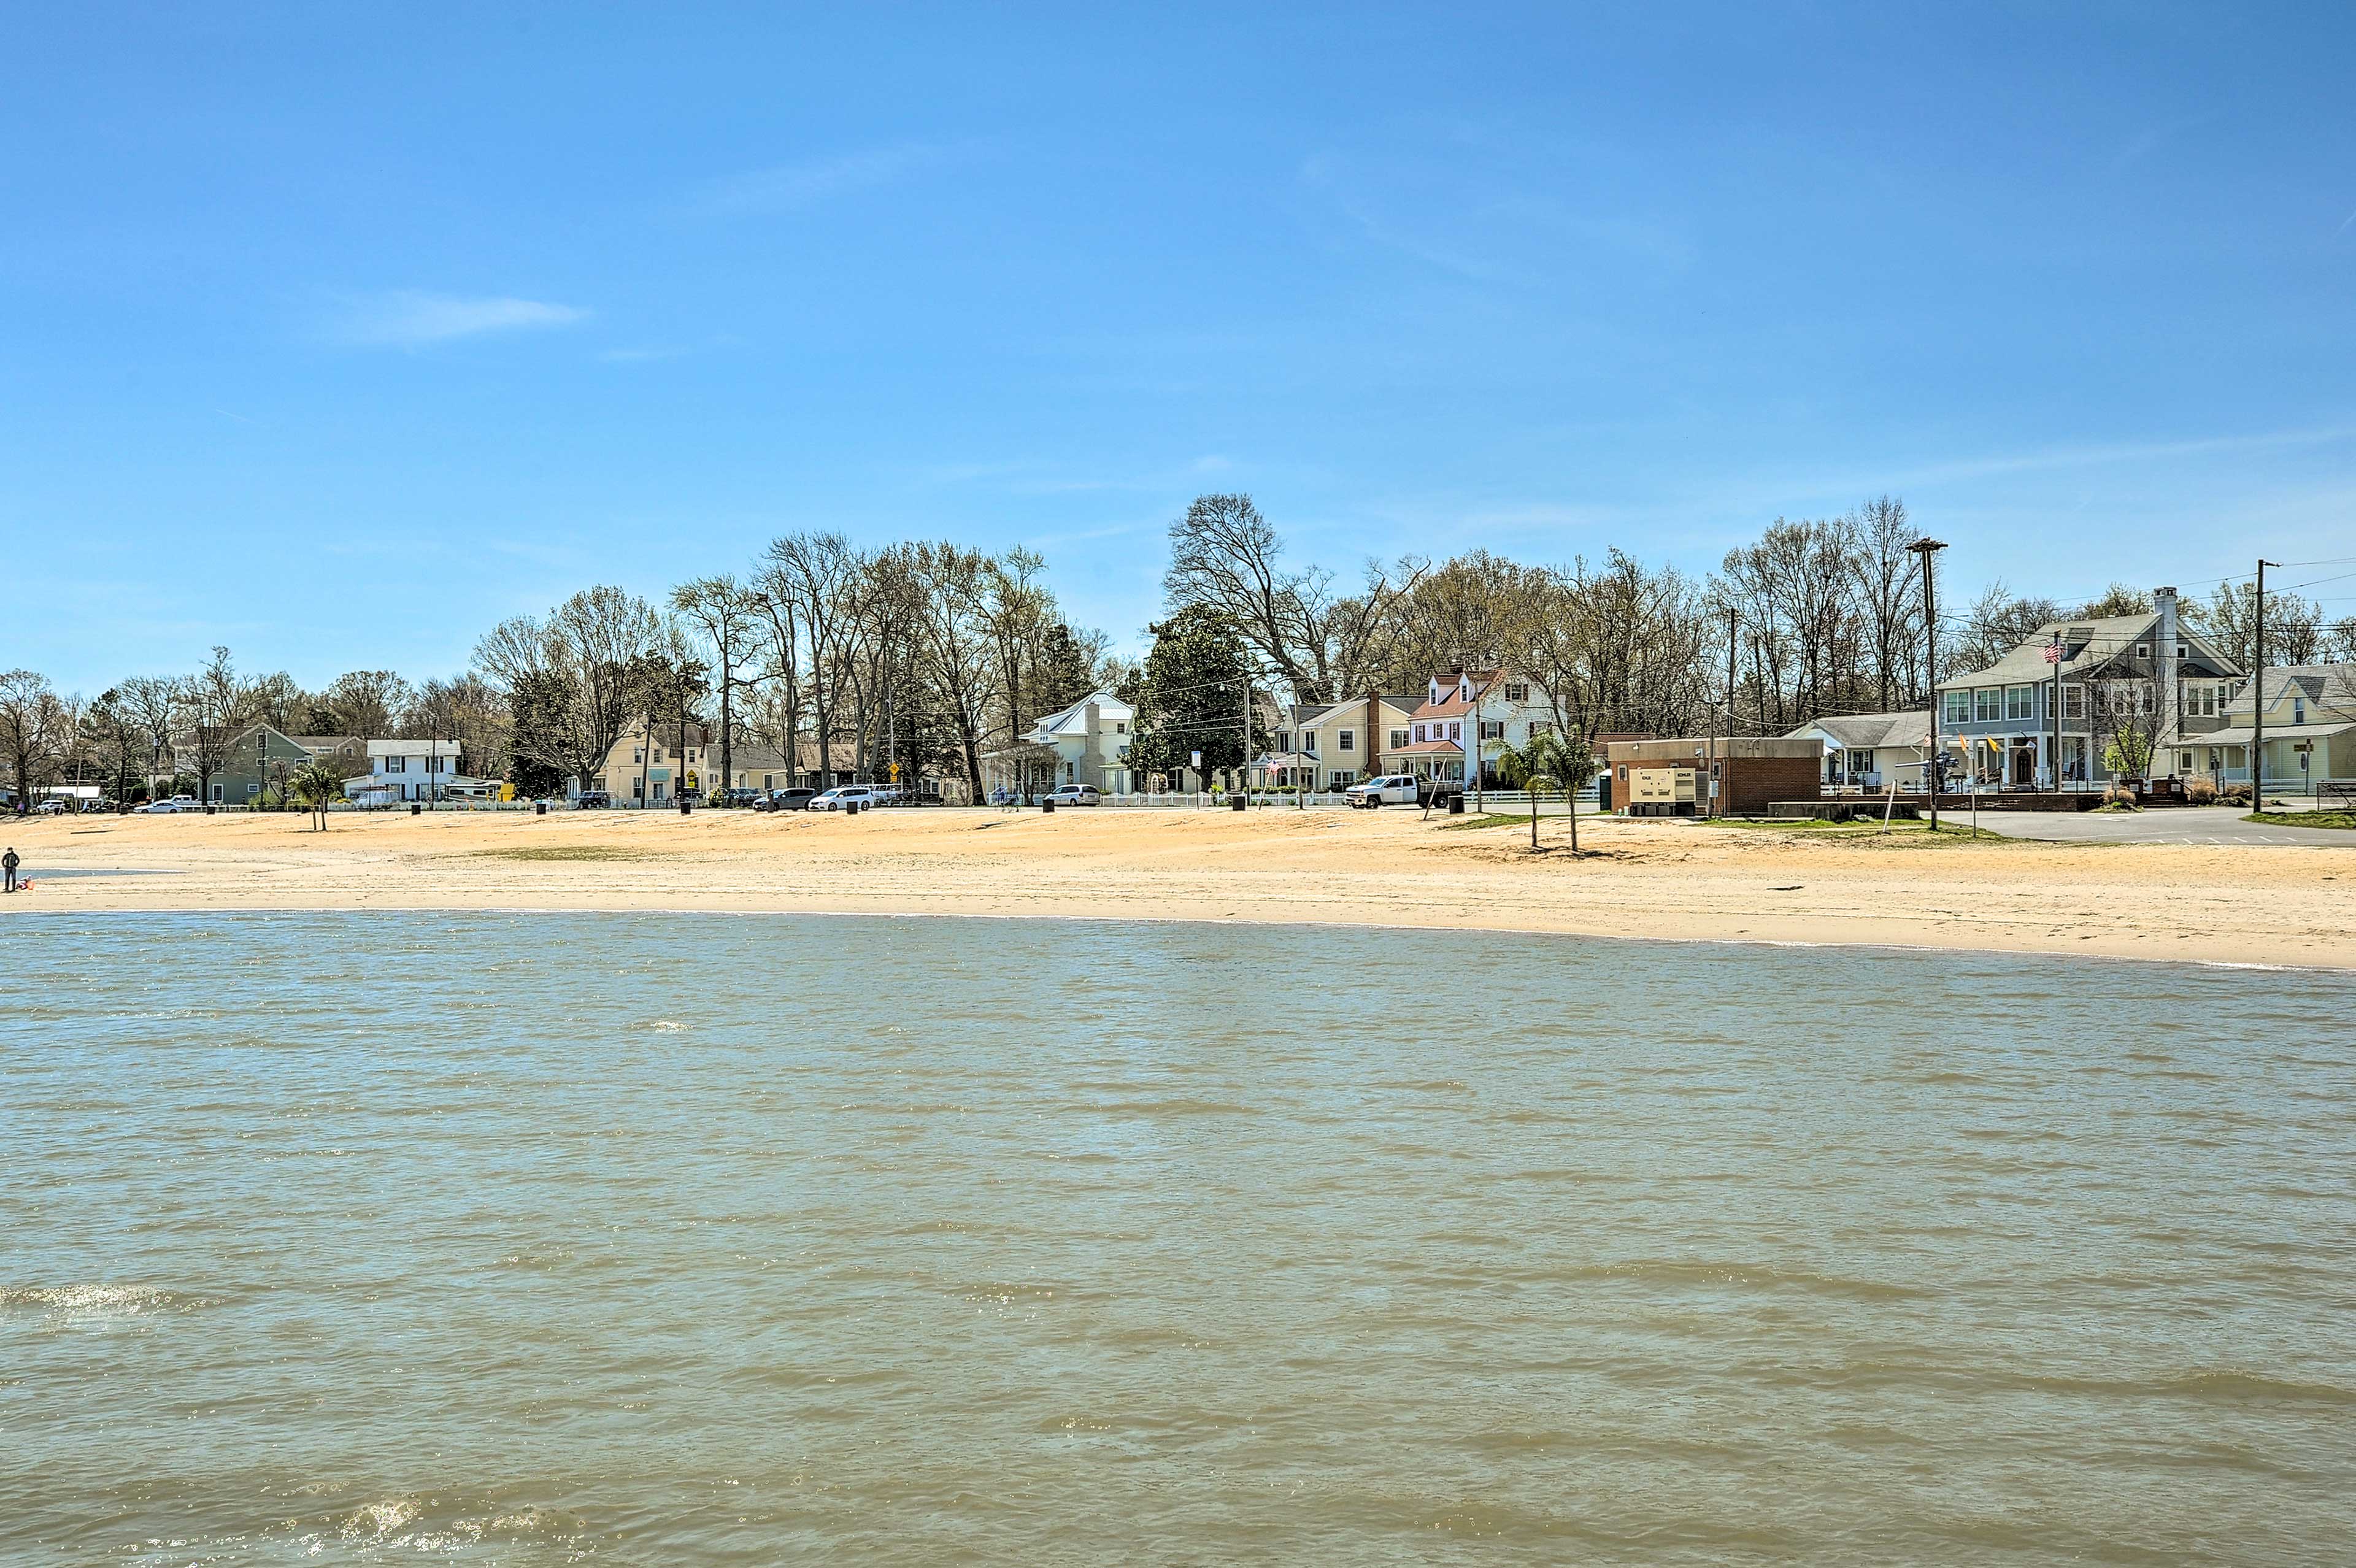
[2310, 732]
[2118, 681]
[650, 765]
[1465, 721]
[417, 769]
[1332, 745]
[1086, 742]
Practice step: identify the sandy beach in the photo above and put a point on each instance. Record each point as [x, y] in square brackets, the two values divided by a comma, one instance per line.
[1658, 880]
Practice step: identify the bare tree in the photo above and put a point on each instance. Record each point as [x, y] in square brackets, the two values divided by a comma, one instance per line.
[573, 678]
[362, 705]
[953, 643]
[1224, 558]
[32, 725]
[1890, 585]
[1997, 621]
[153, 704]
[219, 704]
[809, 585]
[726, 615]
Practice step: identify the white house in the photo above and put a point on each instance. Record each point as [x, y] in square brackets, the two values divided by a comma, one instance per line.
[1085, 743]
[1463, 713]
[1868, 750]
[415, 770]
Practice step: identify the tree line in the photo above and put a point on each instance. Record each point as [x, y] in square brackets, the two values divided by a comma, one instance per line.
[931, 657]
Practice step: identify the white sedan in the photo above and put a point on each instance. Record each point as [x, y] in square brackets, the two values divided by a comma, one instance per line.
[1076, 795]
[843, 797]
[176, 803]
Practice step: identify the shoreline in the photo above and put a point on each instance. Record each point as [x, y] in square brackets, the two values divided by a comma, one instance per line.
[2286, 907]
[1815, 943]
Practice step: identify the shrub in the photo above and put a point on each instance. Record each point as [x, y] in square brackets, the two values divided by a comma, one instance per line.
[2201, 792]
[2234, 794]
[2119, 795]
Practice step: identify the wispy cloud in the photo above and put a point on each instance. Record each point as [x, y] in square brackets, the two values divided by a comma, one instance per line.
[783, 187]
[409, 318]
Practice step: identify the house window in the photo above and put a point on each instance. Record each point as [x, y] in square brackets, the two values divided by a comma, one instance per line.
[2183, 650]
[1987, 704]
[768, 781]
[1456, 732]
[2074, 702]
[1308, 743]
[637, 754]
[1958, 707]
[2143, 652]
[253, 789]
[2298, 710]
[1120, 726]
[1493, 729]
[1516, 691]
[1418, 734]
[1398, 739]
[2021, 702]
[1284, 740]
[396, 765]
[1860, 762]
[1541, 727]
[1346, 741]
[2183, 759]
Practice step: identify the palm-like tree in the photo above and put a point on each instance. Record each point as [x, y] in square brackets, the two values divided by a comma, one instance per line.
[314, 784]
[1550, 762]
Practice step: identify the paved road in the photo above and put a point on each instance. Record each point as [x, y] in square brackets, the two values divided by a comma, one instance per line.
[2161, 824]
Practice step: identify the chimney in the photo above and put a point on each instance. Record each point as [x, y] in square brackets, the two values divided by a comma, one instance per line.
[2172, 707]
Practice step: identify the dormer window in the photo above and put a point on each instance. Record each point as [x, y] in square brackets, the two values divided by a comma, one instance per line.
[2298, 710]
[1517, 691]
[2184, 650]
[2143, 652]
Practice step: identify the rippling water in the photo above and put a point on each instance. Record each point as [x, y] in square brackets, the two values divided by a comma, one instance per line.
[668, 1239]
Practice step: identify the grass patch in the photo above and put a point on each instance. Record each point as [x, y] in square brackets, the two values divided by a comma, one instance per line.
[1950, 830]
[2304, 818]
[566, 852]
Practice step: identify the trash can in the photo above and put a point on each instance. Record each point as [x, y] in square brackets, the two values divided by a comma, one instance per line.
[850, 808]
[540, 808]
[415, 809]
[685, 805]
[1455, 805]
[1048, 806]
[1238, 803]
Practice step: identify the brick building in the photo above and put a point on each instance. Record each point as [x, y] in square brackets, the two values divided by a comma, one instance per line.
[1752, 770]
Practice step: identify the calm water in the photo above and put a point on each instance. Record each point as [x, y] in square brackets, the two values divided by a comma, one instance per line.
[659, 1239]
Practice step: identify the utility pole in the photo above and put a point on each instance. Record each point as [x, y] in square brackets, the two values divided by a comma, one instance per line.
[1733, 618]
[1927, 548]
[2054, 653]
[2258, 696]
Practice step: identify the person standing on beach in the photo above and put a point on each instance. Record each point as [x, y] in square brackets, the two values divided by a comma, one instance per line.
[8, 864]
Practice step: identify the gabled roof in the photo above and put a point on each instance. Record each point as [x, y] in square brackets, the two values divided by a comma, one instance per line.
[2089, 646]
[1870, 731]
[1073, 720]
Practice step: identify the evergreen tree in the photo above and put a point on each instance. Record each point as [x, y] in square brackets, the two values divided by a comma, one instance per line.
[1192, 698]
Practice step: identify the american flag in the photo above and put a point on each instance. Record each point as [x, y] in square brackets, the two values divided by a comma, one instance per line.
[2052, 653]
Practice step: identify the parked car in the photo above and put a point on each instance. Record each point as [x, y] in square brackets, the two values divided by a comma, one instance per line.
[591, 800]
[1078, 795]
[50, 808]
[1390, 789]
[796, 799]
[842, 795]
[173, 802]
[737, 799]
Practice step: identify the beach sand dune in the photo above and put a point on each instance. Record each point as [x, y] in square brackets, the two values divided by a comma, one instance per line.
[1636, 878]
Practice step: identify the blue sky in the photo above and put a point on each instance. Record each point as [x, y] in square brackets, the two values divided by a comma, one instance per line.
[338, 334]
